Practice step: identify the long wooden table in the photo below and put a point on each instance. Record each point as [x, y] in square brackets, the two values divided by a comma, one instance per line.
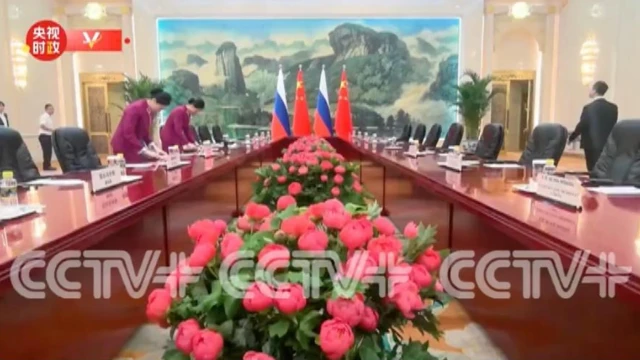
[474, 210]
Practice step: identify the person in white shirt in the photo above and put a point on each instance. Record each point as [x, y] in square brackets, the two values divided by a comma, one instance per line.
[4, 117]
[46, 128]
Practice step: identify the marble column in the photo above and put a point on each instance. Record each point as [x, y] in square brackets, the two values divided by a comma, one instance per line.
[7, 91]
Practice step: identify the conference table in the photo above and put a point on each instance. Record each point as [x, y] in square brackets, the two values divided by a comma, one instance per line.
[476, 213]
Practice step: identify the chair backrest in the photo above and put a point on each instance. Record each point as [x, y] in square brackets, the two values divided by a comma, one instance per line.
[195, 134]
[204, 133]
[454, 136]
[15, 156]
[547, 141]
[406, 133]
[74, 149]
[217, 134]
[419, 134]
[433, 136]
[490, 142]
[620, 159]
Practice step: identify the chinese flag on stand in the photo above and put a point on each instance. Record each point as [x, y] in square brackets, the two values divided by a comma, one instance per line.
[301, 122]
[344, 125]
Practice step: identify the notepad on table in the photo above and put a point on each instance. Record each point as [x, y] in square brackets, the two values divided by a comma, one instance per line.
[140, 165]
[56, 182]
[503, 166]
[130, 178]
[616, 190]
[18, 211]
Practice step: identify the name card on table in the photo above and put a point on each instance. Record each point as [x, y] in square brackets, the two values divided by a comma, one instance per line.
[174, 160]
[567, 191]
[105, 178]
[454, 161]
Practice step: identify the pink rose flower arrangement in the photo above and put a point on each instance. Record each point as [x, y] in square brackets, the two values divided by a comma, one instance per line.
[384, 278]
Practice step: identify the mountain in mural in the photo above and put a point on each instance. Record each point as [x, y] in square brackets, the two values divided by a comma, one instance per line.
[394, 77]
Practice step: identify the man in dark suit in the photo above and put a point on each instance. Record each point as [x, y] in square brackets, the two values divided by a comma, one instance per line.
[4, 117]
[596, 122]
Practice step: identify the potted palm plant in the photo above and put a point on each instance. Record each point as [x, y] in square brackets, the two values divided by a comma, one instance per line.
[473, 102]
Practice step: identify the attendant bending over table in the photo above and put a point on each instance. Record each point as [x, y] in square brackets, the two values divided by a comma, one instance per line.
[132, 138]
[177, 130]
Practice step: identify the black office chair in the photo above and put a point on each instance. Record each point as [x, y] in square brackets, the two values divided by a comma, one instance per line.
[490, 142]
[204, 133]
[453, 137]
[406, 133]
[15, 156]
[218, 137]
[195, 134]
[419, 134]
[620, 159]
[74, 150]
[547, 141]
[431, 141]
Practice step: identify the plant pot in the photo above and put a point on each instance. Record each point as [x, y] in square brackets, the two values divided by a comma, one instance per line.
[469, 146]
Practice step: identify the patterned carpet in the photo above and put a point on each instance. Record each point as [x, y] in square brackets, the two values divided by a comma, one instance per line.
[462, 340]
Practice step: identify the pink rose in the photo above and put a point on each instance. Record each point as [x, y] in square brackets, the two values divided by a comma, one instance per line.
[202, 228]
[348, 310]
[220, 225]
[384, 226]
[207, 345]
[324, 178]
[356, 233]
[294, 188]
[178, 278]
[315, 211]
[290, 298]
[245, 224]
[252, 355]
[230, 244]
[336, 338]
[266, 224]
[336, 219]
[292, 169]
[357, 187]
[369, 321]
[275, 167]
[340, 169]
[158, 304]
[281, 179]
[184, 335]
[274, 256]
[430, 259]
[438, 287]
[360, 266]
[420, 275]
[285, 201]
[386, 250]
[303, 171]
[297, 225]
[411, 231]
[406, 297]
[202, 254]
[257, 211]
[335, 191]
[326, 165]
[333, 205]
[258, 297]
[338, 179]
[313, 240]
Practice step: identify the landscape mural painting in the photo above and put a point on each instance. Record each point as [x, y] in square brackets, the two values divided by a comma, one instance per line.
[399, 70]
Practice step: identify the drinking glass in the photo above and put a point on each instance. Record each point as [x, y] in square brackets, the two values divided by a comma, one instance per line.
[537, 166]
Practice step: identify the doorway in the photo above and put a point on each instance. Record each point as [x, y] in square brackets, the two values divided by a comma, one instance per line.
[102, 106]
[513, 107]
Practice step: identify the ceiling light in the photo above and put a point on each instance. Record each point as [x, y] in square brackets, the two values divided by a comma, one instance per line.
[95, 11]
[520, 10]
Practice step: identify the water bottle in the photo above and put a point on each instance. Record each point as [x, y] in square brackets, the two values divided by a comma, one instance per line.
[549, 167]
[122, 163]
[8, 189]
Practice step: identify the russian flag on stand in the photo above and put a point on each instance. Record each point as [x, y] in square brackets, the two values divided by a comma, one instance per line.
[322, 119]
[280, 120]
